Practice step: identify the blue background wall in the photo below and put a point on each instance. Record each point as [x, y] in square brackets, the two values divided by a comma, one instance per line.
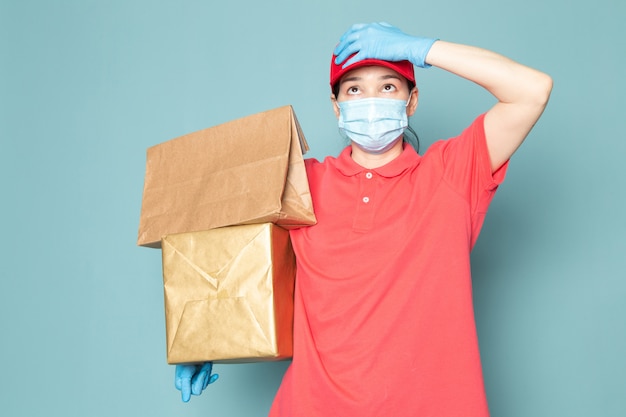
[87, 86]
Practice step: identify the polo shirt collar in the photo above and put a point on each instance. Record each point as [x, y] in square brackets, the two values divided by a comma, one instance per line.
[407, 159]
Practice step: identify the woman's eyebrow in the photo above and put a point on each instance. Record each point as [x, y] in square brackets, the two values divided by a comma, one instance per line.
[353, 78]
[382, 77]
[388, 76]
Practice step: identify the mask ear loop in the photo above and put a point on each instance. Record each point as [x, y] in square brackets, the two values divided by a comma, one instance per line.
[410, 96]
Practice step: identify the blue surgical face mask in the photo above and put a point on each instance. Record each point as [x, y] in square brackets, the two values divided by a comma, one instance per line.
[373, 123]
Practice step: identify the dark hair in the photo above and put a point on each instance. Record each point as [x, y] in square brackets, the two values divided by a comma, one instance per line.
[410, 136]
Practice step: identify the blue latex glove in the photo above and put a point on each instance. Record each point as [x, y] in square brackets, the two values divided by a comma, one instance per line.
[193, 379]
[382, 41]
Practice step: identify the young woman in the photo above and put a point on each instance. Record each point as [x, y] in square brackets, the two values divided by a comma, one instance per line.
[384, 320]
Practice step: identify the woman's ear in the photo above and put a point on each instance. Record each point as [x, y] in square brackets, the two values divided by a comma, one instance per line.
[333, 100]
[412, 103]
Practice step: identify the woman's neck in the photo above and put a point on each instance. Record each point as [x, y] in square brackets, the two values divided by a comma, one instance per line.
[376, 160]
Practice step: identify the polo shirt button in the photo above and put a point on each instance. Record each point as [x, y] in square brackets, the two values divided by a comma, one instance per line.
[369, 175]
[366, 199]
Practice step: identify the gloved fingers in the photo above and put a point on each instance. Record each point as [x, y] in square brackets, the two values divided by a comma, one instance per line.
[364, 41]
[346, 45]
[193, 379]
[185, 389]
[209, 378]
[197, 383]
[345, 49]
[206, 367]
[354, 58]
[183, 372]
[182, 380]
[354, 28]
[183, 384]
[203, 378]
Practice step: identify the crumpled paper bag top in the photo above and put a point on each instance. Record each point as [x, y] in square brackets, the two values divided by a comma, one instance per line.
[249, 170]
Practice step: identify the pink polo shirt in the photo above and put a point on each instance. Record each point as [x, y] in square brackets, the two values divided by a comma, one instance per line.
[384, 321]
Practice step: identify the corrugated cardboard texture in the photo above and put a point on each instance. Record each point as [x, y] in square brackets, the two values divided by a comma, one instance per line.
[229, 294]
[246, 171]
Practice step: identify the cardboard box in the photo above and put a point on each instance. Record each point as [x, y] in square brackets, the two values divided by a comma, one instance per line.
[229, 294]
[246, 171]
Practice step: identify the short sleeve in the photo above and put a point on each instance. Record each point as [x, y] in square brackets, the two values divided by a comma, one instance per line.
[467, 169]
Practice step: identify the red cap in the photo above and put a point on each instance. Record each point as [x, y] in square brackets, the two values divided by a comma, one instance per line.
[404, 68]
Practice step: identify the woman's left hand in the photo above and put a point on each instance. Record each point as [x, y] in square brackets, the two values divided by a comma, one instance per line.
[382, 41]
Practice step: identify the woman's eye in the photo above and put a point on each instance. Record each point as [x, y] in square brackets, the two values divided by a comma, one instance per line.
[353, 90]
[389, 88]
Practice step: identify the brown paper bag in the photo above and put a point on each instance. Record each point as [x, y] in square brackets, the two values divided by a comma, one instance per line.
[245, 171]
[229, 294]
